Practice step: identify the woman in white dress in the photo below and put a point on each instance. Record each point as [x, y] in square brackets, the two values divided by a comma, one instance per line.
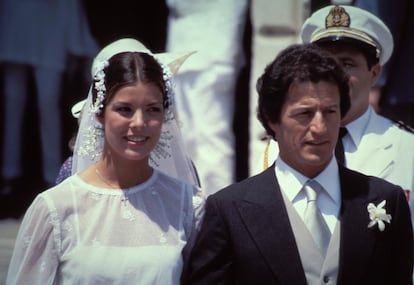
[131, 209]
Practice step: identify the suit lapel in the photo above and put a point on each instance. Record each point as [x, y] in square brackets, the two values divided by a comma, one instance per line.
[357, 240]
[264, 214]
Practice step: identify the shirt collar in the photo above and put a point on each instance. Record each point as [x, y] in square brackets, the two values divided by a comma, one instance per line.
[291, 181]
[357, 127]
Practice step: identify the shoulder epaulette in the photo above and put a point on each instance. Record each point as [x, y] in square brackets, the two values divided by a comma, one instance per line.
[404, 126]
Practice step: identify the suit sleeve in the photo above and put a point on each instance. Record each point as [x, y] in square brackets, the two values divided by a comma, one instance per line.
[403, 245]
[210, 261]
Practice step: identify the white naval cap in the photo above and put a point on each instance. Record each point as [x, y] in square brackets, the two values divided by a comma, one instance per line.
[335, 23]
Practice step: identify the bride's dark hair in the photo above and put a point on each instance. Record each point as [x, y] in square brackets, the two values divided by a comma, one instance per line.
[128, 68]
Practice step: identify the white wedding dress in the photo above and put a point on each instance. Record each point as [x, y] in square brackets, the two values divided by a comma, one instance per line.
[76, 233]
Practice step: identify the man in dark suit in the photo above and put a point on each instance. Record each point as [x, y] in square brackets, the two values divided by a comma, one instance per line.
[267, 230]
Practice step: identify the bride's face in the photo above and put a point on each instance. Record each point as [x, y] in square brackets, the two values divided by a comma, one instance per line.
[132, 121]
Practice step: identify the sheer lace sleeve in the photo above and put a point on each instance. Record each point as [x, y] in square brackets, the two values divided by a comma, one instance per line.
[193, 218]
[35, 256]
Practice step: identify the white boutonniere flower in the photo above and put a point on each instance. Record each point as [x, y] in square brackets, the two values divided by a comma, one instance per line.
[378, 215]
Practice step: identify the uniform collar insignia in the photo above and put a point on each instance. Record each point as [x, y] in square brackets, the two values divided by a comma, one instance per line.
[337, 17]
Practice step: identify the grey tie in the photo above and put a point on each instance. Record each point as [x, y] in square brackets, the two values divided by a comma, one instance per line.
[313, 217]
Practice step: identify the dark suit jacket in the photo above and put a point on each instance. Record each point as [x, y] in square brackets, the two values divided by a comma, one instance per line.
[246, 236]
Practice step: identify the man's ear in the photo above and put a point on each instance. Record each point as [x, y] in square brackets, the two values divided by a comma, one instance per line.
[375, 73]
[274, 127]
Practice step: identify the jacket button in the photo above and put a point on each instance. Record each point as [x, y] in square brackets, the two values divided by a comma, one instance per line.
[326, 279]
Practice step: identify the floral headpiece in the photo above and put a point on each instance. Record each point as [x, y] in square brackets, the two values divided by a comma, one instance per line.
[99, 78]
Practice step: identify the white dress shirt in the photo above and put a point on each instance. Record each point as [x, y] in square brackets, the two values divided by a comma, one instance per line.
[291, 183]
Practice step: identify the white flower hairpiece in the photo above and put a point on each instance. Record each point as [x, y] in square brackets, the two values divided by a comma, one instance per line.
[166, 75]
[100, 88]
[378, 215]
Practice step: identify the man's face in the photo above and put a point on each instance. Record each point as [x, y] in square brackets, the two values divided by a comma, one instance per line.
[361, 79]
[308, 126]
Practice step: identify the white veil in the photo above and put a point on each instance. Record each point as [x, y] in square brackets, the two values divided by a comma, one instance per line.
[169, 155]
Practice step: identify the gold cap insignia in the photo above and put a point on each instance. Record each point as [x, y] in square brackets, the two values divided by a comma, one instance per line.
[337, 17]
